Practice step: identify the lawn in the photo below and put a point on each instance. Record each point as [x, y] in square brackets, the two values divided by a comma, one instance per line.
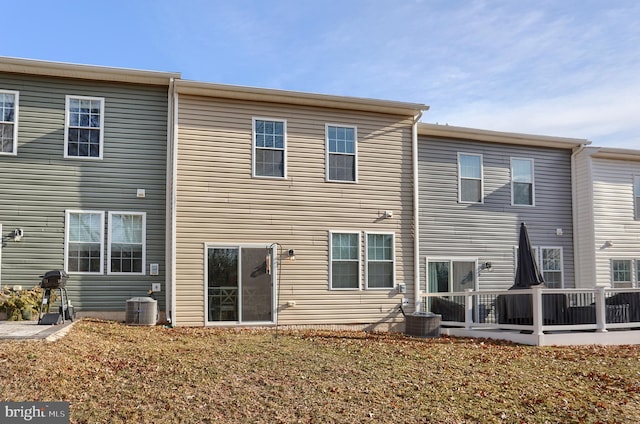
[112, 373]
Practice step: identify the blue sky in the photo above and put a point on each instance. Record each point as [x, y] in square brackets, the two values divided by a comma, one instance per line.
[567, 68]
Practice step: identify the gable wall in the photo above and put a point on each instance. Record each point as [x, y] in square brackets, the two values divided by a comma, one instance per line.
[219, 202]
[38, 185]
[489, 231]
[614, 214]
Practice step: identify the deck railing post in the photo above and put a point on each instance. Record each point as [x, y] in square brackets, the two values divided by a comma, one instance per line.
[468, 302]
[537, 309]
[601, 310]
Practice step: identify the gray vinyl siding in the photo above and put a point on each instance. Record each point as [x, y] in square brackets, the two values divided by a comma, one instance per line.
[613, 204]
[219, 202]
[489, 232]
[38, 185]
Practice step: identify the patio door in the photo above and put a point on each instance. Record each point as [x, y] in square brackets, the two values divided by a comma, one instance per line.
[239, 285]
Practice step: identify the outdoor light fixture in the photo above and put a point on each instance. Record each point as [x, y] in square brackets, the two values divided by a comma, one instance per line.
[488, 266]
[608, 243]
[292, 255]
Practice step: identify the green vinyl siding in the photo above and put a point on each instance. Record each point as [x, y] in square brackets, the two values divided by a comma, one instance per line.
[38, 185]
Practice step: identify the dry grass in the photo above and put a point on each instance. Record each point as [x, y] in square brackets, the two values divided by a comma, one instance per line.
[116, 374]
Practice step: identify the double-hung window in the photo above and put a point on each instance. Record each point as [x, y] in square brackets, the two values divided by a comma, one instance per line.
[269, 155]
[522, 182]
[127, 240]
[469, 178]
[380, 261]
[84, 128]
[342, 161]
[621, 273]
[344, 260]
[551, 260]
[84, 248]
[8, 122]
[636, 195]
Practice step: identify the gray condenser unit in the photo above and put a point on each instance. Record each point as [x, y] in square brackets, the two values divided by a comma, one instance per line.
[141, 311]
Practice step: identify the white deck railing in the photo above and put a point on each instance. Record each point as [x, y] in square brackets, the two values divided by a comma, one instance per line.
[537, 310]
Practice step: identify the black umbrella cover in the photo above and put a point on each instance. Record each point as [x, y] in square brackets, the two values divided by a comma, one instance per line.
[527, 272]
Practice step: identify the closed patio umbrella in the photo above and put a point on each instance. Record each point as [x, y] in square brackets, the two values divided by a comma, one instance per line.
[517, 309]
[527, 271]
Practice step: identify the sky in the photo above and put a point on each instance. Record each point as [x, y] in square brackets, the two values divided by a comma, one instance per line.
[567, 68]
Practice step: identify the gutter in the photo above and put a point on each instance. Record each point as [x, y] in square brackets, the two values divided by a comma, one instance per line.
[170, 243]
[416, 213]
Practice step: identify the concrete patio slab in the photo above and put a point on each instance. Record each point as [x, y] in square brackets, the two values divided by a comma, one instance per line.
[30, 330]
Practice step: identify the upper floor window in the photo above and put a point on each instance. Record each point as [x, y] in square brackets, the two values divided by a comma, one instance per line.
[636, 195]
[127, 239]
[380, 261]
[522, 182]
[344, 260]
[469, 178]
[84, 235]
[83, 132]
[342, 162]
[8, 122]
[269, 155]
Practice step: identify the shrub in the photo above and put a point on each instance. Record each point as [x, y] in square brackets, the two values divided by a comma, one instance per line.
[20, 304]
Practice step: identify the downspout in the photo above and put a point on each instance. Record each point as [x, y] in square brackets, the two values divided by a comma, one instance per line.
[416, 213]
[170, 255]
[574, 214]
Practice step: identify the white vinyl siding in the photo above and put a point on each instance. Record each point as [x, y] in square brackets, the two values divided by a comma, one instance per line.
[127, 243]
[522, 182]
[84, 242]
[636, 196]
[470, 186]
[269, 148]
[380, 260]
[8, 122]
[344, 260]
[84, 127]
[342, 153]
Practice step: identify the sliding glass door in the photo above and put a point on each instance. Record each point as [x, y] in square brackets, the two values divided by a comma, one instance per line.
[239, 284]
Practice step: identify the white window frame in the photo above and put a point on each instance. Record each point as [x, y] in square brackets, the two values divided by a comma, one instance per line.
[67, 214]
[636, 196]
[367, 260]
[533, 182]
[460, 178]
[632, 271]
[358, 285]
[67, 126]
[451, 260]
[255, 148]
[144, 242]
[540, 259]
[328, 153]
[16, 101]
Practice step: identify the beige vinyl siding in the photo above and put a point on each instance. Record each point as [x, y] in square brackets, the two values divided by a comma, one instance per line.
[39, 184]
[219, 202]
[489, 232]
[613, 205]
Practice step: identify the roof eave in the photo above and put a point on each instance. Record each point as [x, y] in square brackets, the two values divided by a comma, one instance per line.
[475, 134]
[298, 98]
[87, 72]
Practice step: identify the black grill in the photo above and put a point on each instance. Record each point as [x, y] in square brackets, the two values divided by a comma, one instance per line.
[55, 279]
